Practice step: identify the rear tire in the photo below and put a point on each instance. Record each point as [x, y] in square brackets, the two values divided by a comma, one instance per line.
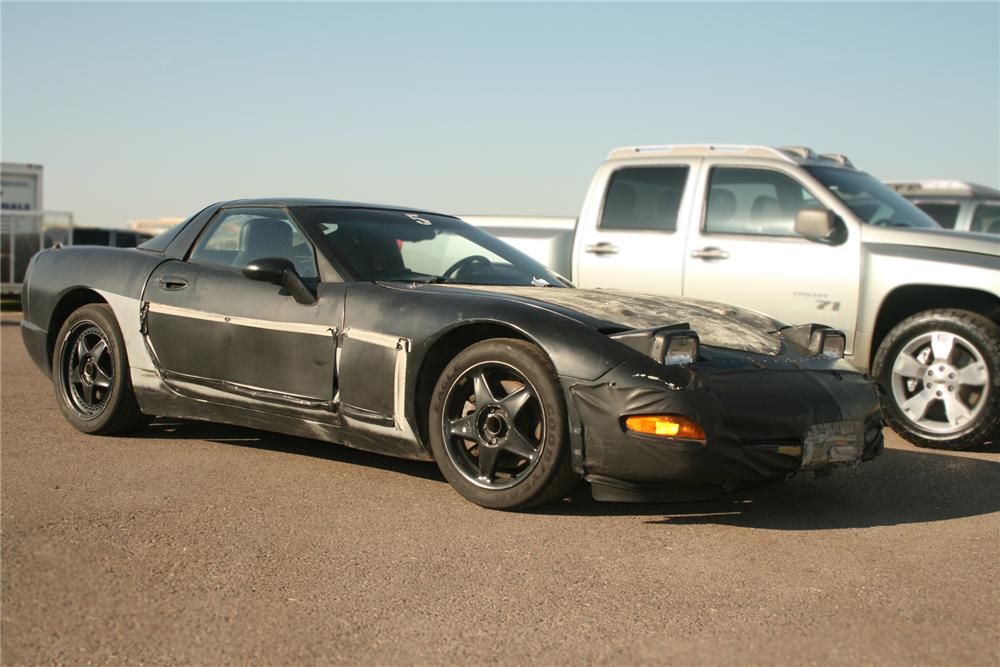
[498, 427]
[90, 373]
[940, 372]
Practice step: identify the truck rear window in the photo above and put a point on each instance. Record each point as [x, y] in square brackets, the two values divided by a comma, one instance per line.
[644, 199]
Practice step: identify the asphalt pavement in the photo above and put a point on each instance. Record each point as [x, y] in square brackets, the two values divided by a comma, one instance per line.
[204, 544]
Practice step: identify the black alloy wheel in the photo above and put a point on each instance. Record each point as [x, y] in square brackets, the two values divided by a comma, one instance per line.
[88, 370]
[493, 425]
[498, 428]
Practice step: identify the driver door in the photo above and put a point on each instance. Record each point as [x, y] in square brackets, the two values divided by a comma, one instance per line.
[220, 336]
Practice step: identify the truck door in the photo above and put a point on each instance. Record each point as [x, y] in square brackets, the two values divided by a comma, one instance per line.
[629, 236]
[744, 250]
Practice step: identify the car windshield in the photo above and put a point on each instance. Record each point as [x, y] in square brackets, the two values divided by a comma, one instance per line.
[870, 200]
[384, 245]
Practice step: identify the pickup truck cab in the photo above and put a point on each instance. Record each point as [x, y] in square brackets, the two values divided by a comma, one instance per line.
[804, 238]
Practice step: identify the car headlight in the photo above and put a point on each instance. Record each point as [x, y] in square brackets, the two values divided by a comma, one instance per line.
[819, 339]
[681, 348]
[833, 344]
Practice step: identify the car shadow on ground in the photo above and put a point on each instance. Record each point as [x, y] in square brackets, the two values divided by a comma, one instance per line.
[162, 429]
[901, 486]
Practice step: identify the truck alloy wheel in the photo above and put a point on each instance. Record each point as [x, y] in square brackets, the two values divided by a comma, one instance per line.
[939, 372]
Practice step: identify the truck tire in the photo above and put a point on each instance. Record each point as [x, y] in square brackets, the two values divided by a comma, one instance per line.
[498, 427]
[90, 372]
[940, 375]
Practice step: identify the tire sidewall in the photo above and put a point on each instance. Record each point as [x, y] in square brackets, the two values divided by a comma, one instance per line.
[983, 427]
[101, 316]
[530, 362]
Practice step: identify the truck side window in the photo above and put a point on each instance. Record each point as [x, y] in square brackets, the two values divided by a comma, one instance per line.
[754, 201]
[644, 199]
[986, 219]
[944, 214]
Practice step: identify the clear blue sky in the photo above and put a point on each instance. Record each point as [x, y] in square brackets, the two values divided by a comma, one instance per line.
[148, 110]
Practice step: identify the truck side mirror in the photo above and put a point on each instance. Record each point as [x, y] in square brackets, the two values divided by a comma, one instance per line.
[280, 271]
[820, 225]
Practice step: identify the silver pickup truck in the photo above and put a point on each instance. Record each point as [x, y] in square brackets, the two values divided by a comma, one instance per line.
[804, 238]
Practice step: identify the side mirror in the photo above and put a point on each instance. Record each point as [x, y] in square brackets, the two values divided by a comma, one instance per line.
[280, 271]
[820, 225]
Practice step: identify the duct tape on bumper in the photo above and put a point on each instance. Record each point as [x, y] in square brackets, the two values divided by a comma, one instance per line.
[832, 444]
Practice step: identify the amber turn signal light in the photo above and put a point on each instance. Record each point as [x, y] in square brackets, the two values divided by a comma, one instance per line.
[671, 426]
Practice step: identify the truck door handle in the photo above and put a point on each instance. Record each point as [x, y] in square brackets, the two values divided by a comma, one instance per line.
[710, 252]
[602, 248]
[173, 283]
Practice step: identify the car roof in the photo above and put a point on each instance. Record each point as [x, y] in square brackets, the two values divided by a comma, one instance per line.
[311, 202]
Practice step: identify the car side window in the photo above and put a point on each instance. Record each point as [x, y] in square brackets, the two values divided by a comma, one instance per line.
[644, 199]
[754, 201]
[945, 214]
[986, 219]
[239, 236]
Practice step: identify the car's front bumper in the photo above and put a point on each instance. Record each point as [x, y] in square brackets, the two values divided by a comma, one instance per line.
[761, 425]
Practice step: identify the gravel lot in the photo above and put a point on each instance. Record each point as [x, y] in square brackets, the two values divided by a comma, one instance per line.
[203, 544]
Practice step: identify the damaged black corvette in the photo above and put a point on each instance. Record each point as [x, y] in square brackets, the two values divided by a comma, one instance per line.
[416, 335]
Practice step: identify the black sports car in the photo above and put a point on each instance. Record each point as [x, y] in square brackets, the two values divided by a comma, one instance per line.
[417, 335]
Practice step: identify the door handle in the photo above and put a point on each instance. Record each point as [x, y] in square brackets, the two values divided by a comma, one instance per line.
[173, 283]
[602, 248]
[710, 252]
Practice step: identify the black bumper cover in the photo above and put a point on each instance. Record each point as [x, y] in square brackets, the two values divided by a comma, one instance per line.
[761, 425]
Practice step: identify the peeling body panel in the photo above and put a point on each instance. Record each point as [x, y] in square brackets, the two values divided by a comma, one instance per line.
[116, 274]
[717, 324]
[223, 327]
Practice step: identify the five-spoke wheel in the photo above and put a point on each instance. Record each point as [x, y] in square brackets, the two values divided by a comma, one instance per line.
[498, 426]
[91, 374]
[88, 369]
[494, 425]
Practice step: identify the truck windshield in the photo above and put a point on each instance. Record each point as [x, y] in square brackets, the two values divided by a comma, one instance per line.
[870, 200]
[386, 245]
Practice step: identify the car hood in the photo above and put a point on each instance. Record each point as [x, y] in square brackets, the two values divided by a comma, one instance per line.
[717, 325]
[945, 239]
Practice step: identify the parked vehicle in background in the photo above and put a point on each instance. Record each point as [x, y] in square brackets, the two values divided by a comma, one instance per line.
[955, 204]
[803, 237]
[114, 238]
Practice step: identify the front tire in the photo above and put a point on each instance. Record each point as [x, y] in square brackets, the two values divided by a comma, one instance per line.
[498, 427]
[90, 373]
[940, 372]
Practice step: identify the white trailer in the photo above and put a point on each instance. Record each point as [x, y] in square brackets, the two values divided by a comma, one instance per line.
[24, 222]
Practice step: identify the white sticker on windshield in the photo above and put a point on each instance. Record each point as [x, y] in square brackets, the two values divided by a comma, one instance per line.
[416, 217]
